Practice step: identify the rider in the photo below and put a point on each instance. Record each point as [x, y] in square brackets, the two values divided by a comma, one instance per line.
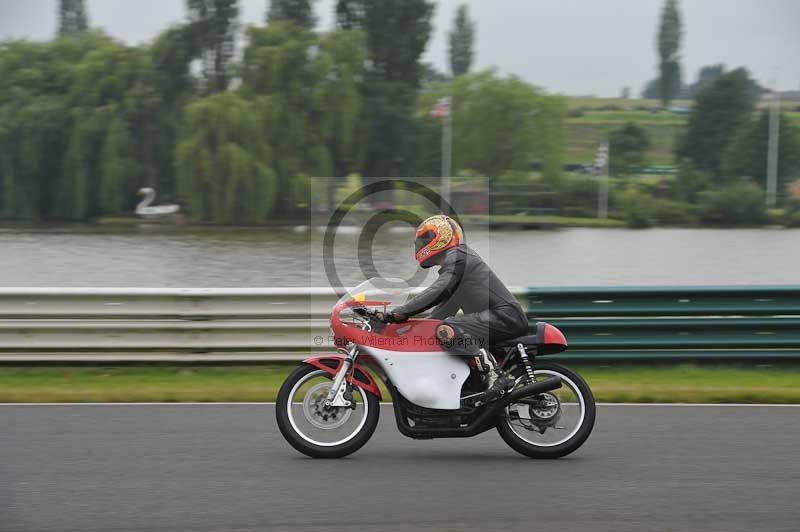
[490, 313]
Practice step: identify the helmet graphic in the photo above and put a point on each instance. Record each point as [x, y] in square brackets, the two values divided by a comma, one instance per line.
[435, 235]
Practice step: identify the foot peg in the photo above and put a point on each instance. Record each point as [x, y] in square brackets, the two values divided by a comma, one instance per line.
[499, 385]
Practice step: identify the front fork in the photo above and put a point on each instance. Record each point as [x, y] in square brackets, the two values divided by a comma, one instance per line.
[336, 393]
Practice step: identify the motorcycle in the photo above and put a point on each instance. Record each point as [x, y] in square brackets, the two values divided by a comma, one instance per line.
[330, 405]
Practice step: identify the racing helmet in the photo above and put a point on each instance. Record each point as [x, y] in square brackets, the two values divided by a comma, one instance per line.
[435, 235]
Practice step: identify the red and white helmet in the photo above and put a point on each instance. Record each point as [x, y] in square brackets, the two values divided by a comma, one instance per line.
[435, 235]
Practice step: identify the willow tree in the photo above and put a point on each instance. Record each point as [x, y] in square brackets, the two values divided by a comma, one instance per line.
[119, 168]
[110, 142]
[223, 163]
[308, 87]
[31, 142]
[171, 87]
[24, 106]
[80, 127]
[35, 121]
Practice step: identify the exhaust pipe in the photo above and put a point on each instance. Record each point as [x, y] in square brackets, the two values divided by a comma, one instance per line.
[550, 383]
[546, 385]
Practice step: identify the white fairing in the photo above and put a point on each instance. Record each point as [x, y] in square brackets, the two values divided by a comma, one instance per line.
[429, 379]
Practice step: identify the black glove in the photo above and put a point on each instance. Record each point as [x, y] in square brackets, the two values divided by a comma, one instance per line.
[392, 317]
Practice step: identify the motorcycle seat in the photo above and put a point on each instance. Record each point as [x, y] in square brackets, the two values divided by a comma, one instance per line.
[548, 340]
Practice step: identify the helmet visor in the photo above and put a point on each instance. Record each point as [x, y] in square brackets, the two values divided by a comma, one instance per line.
[423, 240]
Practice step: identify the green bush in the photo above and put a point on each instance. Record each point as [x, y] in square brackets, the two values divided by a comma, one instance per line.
[791, 211]
[577, 192]
[688, 182]
[637, 208]
[791, 218]
[777, 216]
[669, 212]
[628, 146]
[737, 204]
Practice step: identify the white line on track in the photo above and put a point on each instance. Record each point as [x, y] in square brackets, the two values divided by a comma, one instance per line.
[699, 404]
[383, 404]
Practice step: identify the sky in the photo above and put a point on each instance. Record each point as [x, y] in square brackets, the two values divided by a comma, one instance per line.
[575, 47]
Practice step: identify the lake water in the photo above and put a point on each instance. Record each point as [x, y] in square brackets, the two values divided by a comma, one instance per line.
[157, 256]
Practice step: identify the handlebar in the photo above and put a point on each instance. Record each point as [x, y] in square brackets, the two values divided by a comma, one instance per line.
[371, 319]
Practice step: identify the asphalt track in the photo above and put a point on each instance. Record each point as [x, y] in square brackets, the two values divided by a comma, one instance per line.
[204, 468]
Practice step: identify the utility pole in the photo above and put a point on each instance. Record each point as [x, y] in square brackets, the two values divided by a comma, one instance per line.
[772, 147]
[601, 165]
[447, 155]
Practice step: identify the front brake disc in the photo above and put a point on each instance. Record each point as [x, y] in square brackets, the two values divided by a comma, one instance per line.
[321, 416]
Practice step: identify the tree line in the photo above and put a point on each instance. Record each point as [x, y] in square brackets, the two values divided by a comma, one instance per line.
[721, 161]
[721, 155]
[726, 138]
[86, 120]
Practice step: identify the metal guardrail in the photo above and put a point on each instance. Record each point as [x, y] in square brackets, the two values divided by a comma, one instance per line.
[766, 300]
[181, 324]
[175, 303]
[208, 324]
[673, 322]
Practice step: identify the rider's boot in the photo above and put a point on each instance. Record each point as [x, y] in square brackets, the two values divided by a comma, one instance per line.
[496, 382]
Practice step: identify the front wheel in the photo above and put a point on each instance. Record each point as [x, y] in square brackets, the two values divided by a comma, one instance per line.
[552, 424]
[319, 431]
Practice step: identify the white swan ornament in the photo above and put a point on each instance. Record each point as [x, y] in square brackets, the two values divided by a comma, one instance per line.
[146, 211]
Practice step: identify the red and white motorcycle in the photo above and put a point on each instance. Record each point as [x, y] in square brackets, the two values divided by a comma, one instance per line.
[329, 406]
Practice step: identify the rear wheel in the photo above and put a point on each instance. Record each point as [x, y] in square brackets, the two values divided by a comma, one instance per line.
[552, 424]
[322, 431]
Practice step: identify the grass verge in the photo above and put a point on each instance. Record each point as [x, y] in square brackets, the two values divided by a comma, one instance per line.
[685, 383]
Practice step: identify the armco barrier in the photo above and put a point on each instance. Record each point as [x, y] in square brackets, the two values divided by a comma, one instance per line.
[694, 322]
[178, 324]
[207, 324]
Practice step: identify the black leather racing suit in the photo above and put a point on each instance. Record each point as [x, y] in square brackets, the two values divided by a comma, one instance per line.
[466, 283]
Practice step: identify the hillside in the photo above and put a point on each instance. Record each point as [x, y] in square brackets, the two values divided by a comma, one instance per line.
[592, 119]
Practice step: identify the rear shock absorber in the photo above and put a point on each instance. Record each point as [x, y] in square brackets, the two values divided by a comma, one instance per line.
[527, 361]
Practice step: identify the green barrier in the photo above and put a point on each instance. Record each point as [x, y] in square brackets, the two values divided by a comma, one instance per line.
[673, 322]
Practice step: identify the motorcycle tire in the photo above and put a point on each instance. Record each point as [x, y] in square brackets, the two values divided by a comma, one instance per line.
[519, 444]
[296, 440]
